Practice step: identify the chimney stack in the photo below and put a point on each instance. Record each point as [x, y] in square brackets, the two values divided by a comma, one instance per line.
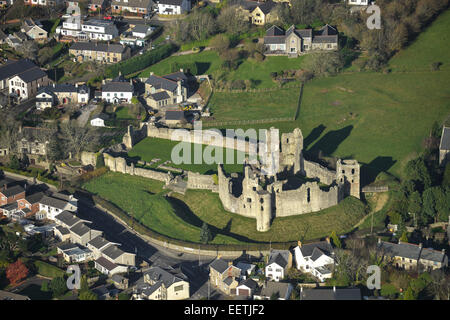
[299, 243]
[334, 288]
[327, 239]
[379, 240]
[230, 263]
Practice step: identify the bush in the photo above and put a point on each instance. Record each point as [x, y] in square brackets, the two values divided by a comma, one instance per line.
[190, 67]
[435, 66]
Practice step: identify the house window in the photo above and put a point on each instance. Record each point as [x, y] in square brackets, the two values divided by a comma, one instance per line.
[178, 288]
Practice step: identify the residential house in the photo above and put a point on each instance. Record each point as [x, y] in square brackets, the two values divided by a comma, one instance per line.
[61, 94]
[73, 252]
[67, 219]
[171, 7]
[30, 202]
[3, 37]
[297, 41]
[34, 30]
[118, 90]
[330, 294]
[315, 258]
[274, 290]
[82, 234]
[167, 90]
[13, 41]
[105, 292]
[247, 288]
[43, 3]
[224, 276]
[264, 13]
[95, 29]
[118, 256]
[99, 120]
[109, 268]
[9, 195]
[137, 35]
[34, 143]
[131, 7]
[99, 52]
[246, 269]
[444, 147]
[165, 284]
[25, 85]
[62, 233]
[6, 295]
[278, 264]
[50, 207]
[358, 2]
[98, 244]
[410, 256]
[98, 6]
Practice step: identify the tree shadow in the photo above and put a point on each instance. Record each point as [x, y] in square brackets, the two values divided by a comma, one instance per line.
[369, 172]
[313, 135]
[202, 67]
[331, 140]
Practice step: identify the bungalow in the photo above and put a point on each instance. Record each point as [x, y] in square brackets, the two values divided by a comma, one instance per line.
[316, 259]
[25, 85]
[279, 262]
[118, 256]
[444, 147]
[330, 294]
[171, 7]
[73, 252]
[274, 290]
[137, 35]
[62, 233]
[134, 7]
[118, 90]
[165, 284]
[67, 219]
[166, 90]
[224, 276]
[107, 267]
[98, 244]
[82, 234]
[34, 29]
[119, 282]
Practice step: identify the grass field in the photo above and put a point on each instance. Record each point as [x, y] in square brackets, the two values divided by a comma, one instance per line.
[151, 148]
[245, 105]
[122, 113]
[209, 61]
[48, 270]
[182, 216]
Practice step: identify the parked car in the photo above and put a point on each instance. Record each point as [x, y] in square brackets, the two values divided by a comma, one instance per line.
[107, 18]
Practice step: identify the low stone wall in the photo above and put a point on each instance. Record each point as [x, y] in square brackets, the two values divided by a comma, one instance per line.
[29, 179]
[201, 181]
[88, 158]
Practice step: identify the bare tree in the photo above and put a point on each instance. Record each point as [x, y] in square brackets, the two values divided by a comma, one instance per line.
[440, 285]
[76, 138]
[232, 20]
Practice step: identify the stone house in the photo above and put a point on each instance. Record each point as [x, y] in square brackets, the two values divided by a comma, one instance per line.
[62, 94]
[97, 245]
[34, 30]
[174, 117]
[279, 262]
[444, 147]
[315, 258]
[166, 90]
[118, 256]
[224, 276]
[165, 284]
[294, 42]
[118, 90]
[119, 282]
[433, 259]
[99, 52]
[82, 234]
[263, 13]
[62, 233]
[26, 84]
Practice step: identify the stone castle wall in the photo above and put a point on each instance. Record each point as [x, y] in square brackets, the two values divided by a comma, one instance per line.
[201, 181]
[88, 158]
[315, 170]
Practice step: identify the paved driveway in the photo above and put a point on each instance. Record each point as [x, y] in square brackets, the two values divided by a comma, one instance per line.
[85, 113]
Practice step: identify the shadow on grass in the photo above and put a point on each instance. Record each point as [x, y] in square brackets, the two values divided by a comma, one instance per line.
[185, 213]
[313, 135]
[369, 172]
[331, 140]
[202, 67]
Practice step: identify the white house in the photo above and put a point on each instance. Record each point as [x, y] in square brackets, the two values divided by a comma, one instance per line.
[315, 258]
[278, 264]
[44, 99]
[99, 29]
[99, 120]
[50, 207]
[169, 7]
[25, 85]
[118, 90]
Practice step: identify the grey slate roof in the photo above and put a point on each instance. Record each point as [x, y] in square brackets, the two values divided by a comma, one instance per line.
[267, 6]
[11, 191]
[250, 283]
[174, 115]
[98, 242]
[171, 2]
[10, 206]
[317, 253]
[325, 39]
[32, 74]
[228, 281]
[133, 3]
[176, 76]
[161, 83]
[96, 46]
[102, 116]
[331, 294]
[404, 250]
[163, 95]
[445, 139]
[141, 28]
[12, 68]
[280, 257]
[80, 229]
[274, 39]
[168, 278]
[53, 202]
[433, 255]
[274, 31]
[117, 86]
[117, 278]
[219, 265]
[105, 263]
[308, 249]
[62, 230]
[64, 246]
[272, 287]
[149, 290]
[113, 252]
[68, 218]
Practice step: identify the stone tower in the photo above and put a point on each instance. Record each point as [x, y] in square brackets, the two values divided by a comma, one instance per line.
[291, 150]
[348, 176]
[128, 138]
[263, 211]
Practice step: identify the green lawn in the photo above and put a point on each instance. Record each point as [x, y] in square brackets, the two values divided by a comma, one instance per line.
[122, 113]
[209, 61]
[182, 216]
[248, 106]
[48, 270]
[151, 148]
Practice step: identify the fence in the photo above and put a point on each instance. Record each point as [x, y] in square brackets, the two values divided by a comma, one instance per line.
[297, 85]
[244, 122]
[375, 189]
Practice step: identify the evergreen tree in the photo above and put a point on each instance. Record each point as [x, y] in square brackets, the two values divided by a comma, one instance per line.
[54, 151]
[205, 235]
[404, 237]
[335, 239]
[44, 286]
[100, 163]
[14, 163]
